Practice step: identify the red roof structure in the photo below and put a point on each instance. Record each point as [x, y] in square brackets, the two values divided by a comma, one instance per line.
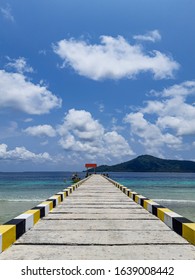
[90, 165]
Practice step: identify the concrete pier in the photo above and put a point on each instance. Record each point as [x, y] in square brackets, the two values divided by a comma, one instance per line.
[99, 221]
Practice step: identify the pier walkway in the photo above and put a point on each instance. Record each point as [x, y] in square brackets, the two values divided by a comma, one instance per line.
[98, 221]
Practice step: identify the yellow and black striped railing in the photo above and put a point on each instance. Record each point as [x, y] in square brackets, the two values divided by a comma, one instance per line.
[176, 222]
[13, 229]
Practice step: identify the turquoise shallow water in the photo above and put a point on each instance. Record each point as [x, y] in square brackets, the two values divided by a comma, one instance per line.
[173, 190]
[21, 191]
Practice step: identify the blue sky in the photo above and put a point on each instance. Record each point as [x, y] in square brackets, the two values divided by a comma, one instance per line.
[95, 81]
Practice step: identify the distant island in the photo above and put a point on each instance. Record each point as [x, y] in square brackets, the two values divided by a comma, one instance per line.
[148, 163]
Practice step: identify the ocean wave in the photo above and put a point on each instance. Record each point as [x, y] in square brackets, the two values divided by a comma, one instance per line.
[174, 200]
[21, 200]
[155, 199]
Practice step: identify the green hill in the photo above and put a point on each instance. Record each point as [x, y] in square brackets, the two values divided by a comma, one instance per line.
[147, 163]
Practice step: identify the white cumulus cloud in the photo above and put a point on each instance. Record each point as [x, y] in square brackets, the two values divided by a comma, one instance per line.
[113, 58]
[166, 121]
[151, 137]
[81, 123]
[116, 144]
[21, 154]
[173, 111]
[41, 130]
[184, 89]
[17, 92]
[82, 134]
[19, 65]
[152, 36]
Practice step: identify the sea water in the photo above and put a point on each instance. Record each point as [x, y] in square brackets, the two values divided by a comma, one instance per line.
[20, 191]
[175, 191]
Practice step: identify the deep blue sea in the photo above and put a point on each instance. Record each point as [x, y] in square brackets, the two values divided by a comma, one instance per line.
[21, 191]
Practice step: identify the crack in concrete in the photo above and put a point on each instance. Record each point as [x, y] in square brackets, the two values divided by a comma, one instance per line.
[115, 230]
[97, 244]
[104, 219]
